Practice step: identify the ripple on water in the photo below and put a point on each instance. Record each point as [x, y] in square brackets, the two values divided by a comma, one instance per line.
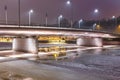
[5, 75]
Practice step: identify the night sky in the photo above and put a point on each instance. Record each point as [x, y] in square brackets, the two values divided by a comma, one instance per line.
[82, 9]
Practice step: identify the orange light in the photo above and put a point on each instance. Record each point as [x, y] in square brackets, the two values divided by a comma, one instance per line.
[98, 27]
[117, 29]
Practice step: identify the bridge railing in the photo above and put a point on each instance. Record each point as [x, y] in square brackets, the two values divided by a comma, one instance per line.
[66, 28]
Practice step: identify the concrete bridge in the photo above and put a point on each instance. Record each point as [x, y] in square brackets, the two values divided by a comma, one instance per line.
[25, 38]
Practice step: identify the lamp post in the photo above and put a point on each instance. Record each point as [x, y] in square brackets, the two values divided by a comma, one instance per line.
[30, 12]
[94, 26]
[46, 19]
[80, 21]
[6, 15]
[59, 20]
[96, 11]
[19, 13]
[71, 20]
[113, 17]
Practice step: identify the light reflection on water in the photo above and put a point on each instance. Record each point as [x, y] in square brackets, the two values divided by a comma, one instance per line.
[105, 60]
[96, 54]
[5, 75]
[77, 52]
[77, 59]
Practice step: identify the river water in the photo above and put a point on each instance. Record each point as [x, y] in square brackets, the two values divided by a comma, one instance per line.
[95, 64]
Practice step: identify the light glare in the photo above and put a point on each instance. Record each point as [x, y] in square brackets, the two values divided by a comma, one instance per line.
[31, 11]
[113, 17]
[68, 2]
[96, 11]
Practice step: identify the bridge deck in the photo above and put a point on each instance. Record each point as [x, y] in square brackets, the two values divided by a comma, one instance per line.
[36, 31]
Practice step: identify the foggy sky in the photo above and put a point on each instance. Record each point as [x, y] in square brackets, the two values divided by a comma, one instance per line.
[81, 9]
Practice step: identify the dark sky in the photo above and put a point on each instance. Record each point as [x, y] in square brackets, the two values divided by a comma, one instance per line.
[80, 8]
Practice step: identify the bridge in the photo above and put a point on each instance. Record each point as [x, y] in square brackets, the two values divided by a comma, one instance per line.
[25, 38]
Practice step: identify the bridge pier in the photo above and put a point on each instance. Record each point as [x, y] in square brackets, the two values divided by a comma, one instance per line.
[25, 44]
[90, 41]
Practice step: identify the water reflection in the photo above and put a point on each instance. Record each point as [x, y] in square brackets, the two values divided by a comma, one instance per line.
[5, 75]
[76, 58]
[57, 52]
[104, 59]
[28, 79]
[84, 55]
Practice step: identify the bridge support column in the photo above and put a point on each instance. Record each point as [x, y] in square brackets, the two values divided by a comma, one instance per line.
[25, 44]
[83, 41]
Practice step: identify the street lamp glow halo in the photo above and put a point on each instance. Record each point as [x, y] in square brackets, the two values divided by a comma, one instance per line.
[96, 11]
[59, 19]
[113, 17]
[61, 16]
[31, 11]
[80, 21]
[68, 2]
[94, 24]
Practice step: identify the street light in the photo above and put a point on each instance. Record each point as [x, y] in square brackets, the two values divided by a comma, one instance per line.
[113, 17]
[19, 20]
[46, 19]
[6, 15]
[59, 20]
[70, 4]
[30, 12]
[94, 26]
[80, 21]
[96, 11]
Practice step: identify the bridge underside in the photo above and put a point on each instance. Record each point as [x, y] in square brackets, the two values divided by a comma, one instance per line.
[32, 44]
[98, 42]
[28, 44]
